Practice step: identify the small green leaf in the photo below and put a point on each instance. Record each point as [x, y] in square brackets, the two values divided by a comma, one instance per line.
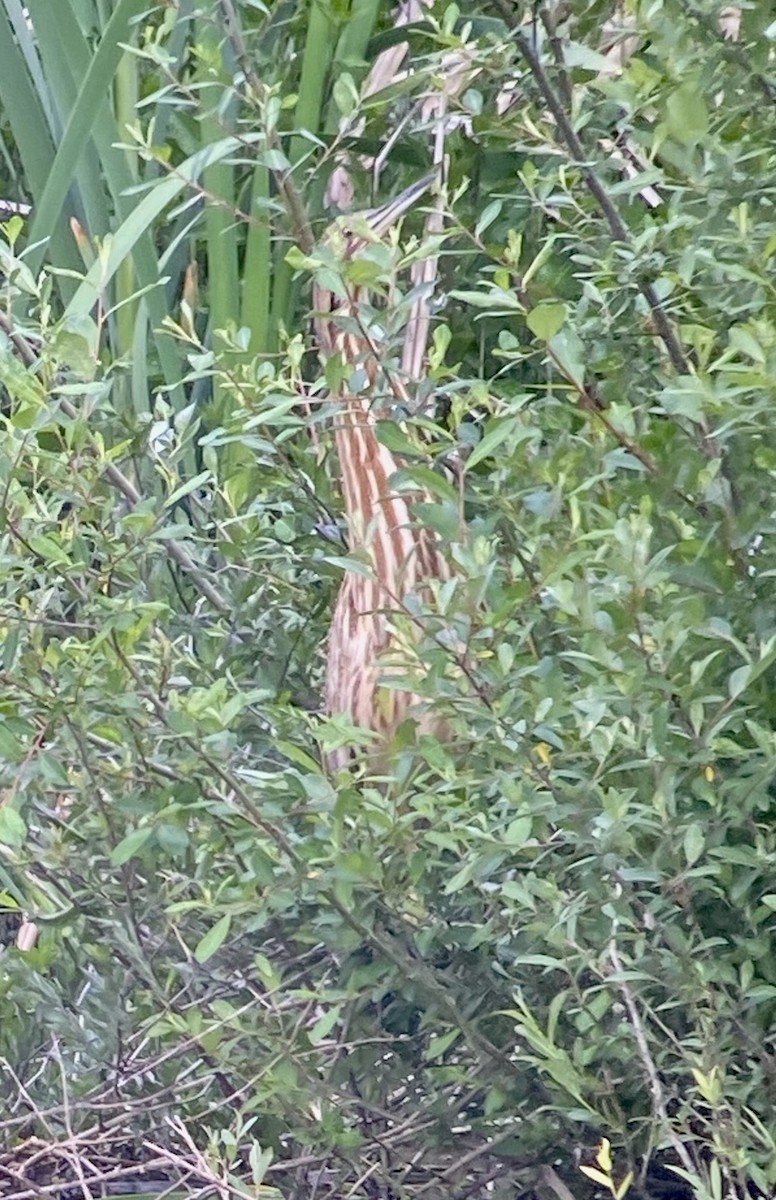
[52, 771]
[546, 320]
[495, 299]
[496, 433]
[597, 1176]
[488, 216]
[13, 831]
[49, 550]
[568, 353]
[10, 647]
[624, 1187]
[265, 971]
[213, 939]
[604, 1156]
[324, 1025]
[440, 1043]
[345, 94]
[259, 1160]
[186, 488]
[739, 680]
[297, 755]
[130, 845]
[518, 831]
[423, 477]
[391, 435]
[687, 114]
[575, 54]
[274, 159]
[11, 749]
[744, 341]
[694, 841]
[459, 879]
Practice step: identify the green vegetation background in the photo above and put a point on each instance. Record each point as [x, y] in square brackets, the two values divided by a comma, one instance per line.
[553, 935]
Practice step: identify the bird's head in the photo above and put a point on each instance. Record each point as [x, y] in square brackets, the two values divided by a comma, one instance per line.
[355, 231]
[343, 270]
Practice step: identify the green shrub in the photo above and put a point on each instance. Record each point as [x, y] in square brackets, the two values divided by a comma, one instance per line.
[547, 943]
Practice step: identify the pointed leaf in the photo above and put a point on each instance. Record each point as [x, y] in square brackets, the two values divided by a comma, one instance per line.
[213, 939]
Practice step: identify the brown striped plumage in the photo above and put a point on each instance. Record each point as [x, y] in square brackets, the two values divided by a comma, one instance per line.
[365, 645]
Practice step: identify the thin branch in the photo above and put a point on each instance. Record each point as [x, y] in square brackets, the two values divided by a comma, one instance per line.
[655, 1086]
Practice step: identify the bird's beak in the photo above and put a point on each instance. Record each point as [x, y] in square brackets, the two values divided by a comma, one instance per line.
[381, 219]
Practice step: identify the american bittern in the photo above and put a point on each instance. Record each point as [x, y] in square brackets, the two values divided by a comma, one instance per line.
[365, 647]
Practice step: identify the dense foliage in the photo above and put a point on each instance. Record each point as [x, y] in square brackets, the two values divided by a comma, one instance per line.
[537, 960]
